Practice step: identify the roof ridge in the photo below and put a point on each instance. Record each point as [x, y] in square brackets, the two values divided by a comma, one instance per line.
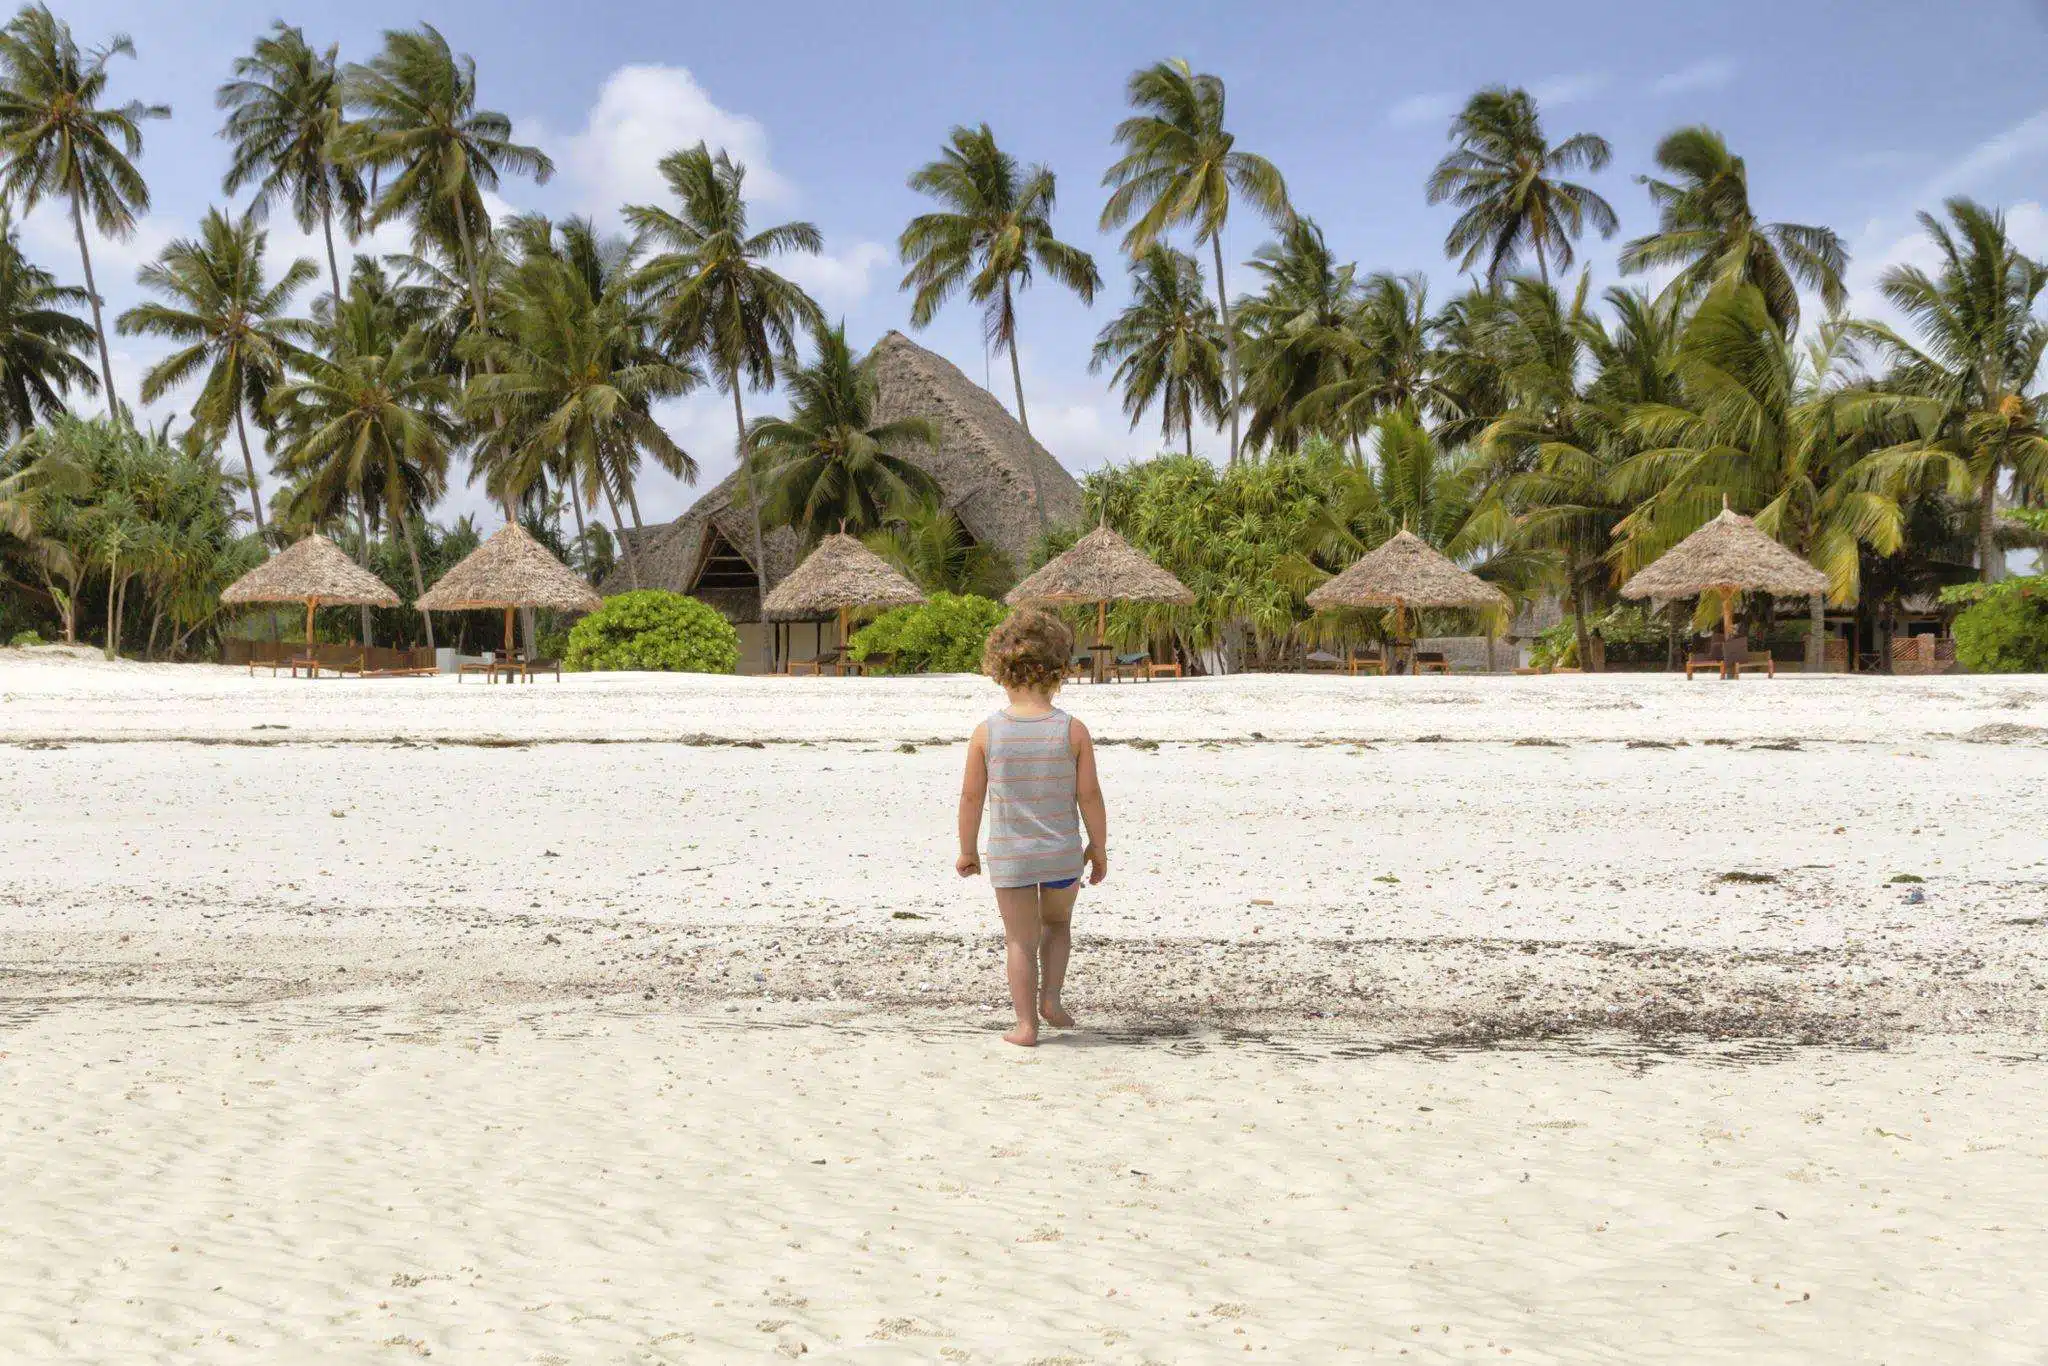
[916, 355]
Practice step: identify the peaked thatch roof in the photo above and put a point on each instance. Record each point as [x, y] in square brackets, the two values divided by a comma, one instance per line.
[1727, 553]
[314, 569]
[990, 473]
[1406, 571]
[1101, 567]
[511, 570]
[841, 573]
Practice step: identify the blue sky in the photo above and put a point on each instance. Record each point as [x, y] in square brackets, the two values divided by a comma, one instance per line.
[1849, 114]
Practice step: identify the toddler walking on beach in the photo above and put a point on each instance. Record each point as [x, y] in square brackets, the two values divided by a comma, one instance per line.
[1034, 766]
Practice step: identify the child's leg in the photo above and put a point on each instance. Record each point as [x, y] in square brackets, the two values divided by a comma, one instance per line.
[1021, 934]
[1056, 941]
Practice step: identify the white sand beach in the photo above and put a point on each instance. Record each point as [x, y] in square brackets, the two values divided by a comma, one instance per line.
[640, 1019]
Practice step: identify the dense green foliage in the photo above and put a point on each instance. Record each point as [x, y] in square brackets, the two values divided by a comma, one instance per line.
[2006, 629]
[944, 635]
[655, 630]
[1630, 635]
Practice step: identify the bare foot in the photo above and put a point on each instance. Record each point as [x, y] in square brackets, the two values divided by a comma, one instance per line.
[1024, 1036]
[1055, 1014]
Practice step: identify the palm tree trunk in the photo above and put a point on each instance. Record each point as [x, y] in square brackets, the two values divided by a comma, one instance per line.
[419, 582]
[1017, 379]
[112, 643]
[1229, 340]
[1542, 266]
[632, 554]
[363, 559]
[1187, 431]
[1990, 561]
[333, 270]
[739, 417]
[1816, 634]
[99, 325]
[249, 465]
[1584, 638]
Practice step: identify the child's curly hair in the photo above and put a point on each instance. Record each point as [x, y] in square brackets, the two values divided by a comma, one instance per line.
[1028, 649]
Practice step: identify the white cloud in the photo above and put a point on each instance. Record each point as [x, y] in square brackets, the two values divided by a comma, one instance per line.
[1885, 243]
[1711, 73]
[1430, 108]
[47, 238]
[1562, 90]
[642, 114]
[836, 279]
[2022, 141]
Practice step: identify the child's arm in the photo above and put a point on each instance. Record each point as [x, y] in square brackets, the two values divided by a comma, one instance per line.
[973, 793]
[1094, 811]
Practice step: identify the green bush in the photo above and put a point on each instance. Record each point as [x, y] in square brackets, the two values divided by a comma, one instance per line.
[2006, 630]
[653, 629]
[23, 639]
[943, 636]
[1633, 636]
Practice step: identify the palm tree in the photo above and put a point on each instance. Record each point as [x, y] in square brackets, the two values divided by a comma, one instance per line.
[1705, 225]
[1972, 381]
[1181, 166]
[576, 376]
[1504, 175]
[1765, 428]
[1295, 334]
[936, 552]
[715, 291]
[231, 322]
[39, 340]
[995, 227]
[285, 119]
[416, 118]
[57, 142]
[827, 466]
[373, 421]
[1167, 345]
[1384, 358]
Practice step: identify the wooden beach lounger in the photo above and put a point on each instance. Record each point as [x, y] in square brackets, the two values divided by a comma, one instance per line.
[1369, 663]
[1431, 662]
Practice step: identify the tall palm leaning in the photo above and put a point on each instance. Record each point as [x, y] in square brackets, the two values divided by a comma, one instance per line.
[717, 294]
[1707, 227]
[994, 229]
[1166, 345]
[285, 110]
[40, 340]
[1971, 382]
[232, 325]
[1506, 178]
[1180, 166]
[828, 466]
[57, 142]
[416, 118]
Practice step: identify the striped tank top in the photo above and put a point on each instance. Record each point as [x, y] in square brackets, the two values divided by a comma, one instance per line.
[1034, 825]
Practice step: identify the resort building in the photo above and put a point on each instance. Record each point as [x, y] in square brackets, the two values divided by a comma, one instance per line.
[1000, 483]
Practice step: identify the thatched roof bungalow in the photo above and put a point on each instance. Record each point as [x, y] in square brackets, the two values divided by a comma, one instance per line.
[991, 474]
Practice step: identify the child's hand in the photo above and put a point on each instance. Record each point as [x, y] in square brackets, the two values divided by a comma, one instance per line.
[1098, 865]
[968, 864]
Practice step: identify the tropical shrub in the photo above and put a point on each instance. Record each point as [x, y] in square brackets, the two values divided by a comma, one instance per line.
[2006, 630]
[1632, 635]
[656, 630]
[942, 636]
[23, 639]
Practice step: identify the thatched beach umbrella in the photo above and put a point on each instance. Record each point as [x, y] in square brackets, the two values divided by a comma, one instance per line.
[1101, 568]
[1727, 556]
[1403, 573]
[839, 576]
[313, 571]
[510, 570]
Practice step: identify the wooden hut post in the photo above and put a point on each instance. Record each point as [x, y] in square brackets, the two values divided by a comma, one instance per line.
[1101, 638]
[311, 603]
[508, 633]
[1727, 633]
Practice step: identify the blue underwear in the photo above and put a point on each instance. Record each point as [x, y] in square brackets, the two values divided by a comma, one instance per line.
[1059, 886]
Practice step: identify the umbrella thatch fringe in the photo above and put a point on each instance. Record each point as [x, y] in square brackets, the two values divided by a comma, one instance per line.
[840, 574]
[511, 570]
[1406, 572]
[1727, 553]
[1101, 567]
[313, 570]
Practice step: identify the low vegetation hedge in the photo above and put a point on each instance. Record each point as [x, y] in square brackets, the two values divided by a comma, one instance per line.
[2005, 631]
[943, 636]
[654, 630]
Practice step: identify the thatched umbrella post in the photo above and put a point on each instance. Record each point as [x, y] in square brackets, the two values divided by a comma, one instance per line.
[1405, 572]
[510, 571]
[837, 577]
[1727, 556]
[312, 572]
[1101, 568]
